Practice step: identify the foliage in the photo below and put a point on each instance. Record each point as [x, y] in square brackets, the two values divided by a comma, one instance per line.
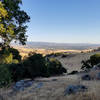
[95, 59]
[15, 53]
[12, 22]
[17, 71]
[88, 64]
[5, 57]
[35, 65]
[12, 28]
[3, 12]
[5, 76]
[9, 55]
[54, 67]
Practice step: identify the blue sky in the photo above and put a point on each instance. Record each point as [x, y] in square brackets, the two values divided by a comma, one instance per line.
[63, 21]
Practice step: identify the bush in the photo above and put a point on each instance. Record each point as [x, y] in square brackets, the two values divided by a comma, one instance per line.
[5, 56]
[88, 64]
[54, 67]
[17, 71]
[95, 59]
[5, 75]
[9, 55]
[35, 65]
[16, 54]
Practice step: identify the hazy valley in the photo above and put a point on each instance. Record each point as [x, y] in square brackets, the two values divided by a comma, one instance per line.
[48, 48]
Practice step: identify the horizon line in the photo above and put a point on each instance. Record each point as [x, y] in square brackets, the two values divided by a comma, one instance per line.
[63, 42]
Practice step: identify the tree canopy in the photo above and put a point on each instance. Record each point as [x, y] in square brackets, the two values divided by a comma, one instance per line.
[12, 28]
[12, 22]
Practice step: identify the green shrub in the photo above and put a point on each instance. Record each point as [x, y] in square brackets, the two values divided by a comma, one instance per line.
[35, 65]
[54, 67]
[9, 55]
[7, 58]
[88, 64]
[5, 75]
[15, 53]
[17, 71]
[95, 59]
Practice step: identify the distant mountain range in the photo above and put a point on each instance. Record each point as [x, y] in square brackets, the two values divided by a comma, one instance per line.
[68, 46]
[71, 46]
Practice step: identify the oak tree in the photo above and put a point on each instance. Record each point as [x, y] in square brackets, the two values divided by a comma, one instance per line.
[12, 22]
[12, 28]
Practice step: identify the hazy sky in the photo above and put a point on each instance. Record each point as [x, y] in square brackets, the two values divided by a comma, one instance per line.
[67, 21]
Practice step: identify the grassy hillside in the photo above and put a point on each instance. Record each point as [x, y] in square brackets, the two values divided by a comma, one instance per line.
[53, 88]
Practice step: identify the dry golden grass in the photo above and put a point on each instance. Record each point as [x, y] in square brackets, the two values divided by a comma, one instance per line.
[25, 51]
[54, 90]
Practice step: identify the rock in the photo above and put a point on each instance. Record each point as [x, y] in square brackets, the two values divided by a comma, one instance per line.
[74, 89]
[86, 77]
[39, 85]
[28, 84]
[22, 84]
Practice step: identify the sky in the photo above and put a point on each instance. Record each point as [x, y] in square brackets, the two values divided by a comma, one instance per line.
[63, 21]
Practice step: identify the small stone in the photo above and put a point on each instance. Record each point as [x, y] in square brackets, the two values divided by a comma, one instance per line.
[39, 85]
[22, 84]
